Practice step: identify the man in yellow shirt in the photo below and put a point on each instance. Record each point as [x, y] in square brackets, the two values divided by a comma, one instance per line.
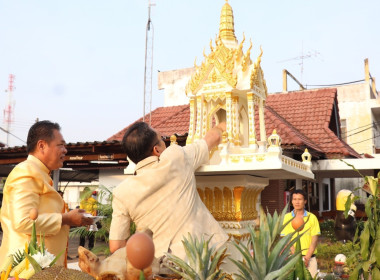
[30, 186]
[311, 229]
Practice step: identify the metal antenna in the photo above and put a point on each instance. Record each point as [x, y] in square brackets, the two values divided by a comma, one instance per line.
[8, 111]
[148, 71]
[302, 57]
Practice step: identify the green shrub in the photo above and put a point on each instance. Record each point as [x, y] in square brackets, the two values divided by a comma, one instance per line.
[327, 230]
[326, 253]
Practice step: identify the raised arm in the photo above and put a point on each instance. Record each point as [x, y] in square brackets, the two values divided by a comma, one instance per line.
[214, 135]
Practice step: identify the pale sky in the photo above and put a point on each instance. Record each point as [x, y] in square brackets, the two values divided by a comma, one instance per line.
[81, 62]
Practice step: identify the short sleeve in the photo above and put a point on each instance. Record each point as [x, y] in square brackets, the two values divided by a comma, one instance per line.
[315, 229]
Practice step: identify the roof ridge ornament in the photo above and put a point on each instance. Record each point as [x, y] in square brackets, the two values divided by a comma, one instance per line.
[226, 27]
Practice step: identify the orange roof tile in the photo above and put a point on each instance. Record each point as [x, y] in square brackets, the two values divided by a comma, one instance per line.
[311, 112]
[302, 119]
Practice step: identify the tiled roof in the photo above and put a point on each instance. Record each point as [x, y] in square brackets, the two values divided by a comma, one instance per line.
[167, 120]
[311, 112]
[301, 118]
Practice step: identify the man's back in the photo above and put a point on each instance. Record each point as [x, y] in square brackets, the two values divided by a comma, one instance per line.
[163, 197]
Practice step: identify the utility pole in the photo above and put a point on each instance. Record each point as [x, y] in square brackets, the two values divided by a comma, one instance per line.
[8, 111]
[148, 70]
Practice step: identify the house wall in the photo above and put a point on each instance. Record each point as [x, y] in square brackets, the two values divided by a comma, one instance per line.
[355, 105]
[272, 197]
[174, 84]
[110, 178]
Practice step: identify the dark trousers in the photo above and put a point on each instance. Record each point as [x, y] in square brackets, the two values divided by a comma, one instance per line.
[91, 241]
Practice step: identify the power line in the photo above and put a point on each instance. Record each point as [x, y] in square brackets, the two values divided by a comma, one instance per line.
[371, 125]
[365, 140]
[331, 85]
[360, 131]
[9, 133]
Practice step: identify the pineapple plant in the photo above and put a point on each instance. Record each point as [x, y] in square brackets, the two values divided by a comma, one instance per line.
[203, 262]
[267, 255]
[300, 272]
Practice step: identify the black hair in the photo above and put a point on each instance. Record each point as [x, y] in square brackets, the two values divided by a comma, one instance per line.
[298, 191]
[138, 141]
[42, 130]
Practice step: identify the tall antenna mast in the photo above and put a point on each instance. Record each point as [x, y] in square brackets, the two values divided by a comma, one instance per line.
[8, 111]
[148, 71]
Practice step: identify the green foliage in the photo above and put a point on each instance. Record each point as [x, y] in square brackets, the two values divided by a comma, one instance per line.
[271, 258]
[327, 230]
[326, 253]
[104, 208]
[301, 272]
[203, 262]
[366, 256]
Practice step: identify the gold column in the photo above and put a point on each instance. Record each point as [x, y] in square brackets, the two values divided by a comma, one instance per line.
[192, 121]
[251, 118]
[198, 128]
[229, 115]
[204, 118]
[263, 135]
[235, 120]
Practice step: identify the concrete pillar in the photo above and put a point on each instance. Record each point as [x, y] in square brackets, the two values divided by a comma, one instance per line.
[55, 179]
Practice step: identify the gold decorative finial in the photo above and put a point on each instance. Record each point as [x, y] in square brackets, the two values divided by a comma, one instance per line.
[306, 156]
[224, 137]
[173, 140]
[226, 28]
[274, 139]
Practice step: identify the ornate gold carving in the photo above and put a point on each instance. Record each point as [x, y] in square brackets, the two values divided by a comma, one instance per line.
[218, 209]
[260, 158]
[228, 212]
[237, 199]
[247, 59]
[238, 237]
[209, 200]
[257, 76]
[201, 195]
[190, 136]
[306, 156]
[234, 159]
[226, 27]
[274, 139]
[173, 140]
[248, 158]
[224, 137]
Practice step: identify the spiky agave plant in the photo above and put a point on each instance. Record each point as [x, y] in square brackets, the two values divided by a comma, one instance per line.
[203, 262]
[271, 258]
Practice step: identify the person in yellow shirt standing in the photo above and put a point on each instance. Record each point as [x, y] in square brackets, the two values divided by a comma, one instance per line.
[30, 186]
[90, 205]
[311, 230]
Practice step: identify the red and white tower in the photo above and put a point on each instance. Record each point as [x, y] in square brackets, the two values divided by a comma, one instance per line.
[8, 111]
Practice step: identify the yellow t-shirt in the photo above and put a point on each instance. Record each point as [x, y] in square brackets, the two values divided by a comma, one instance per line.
[311, 228]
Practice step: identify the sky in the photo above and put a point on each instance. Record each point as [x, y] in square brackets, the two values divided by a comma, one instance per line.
[81, 62]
